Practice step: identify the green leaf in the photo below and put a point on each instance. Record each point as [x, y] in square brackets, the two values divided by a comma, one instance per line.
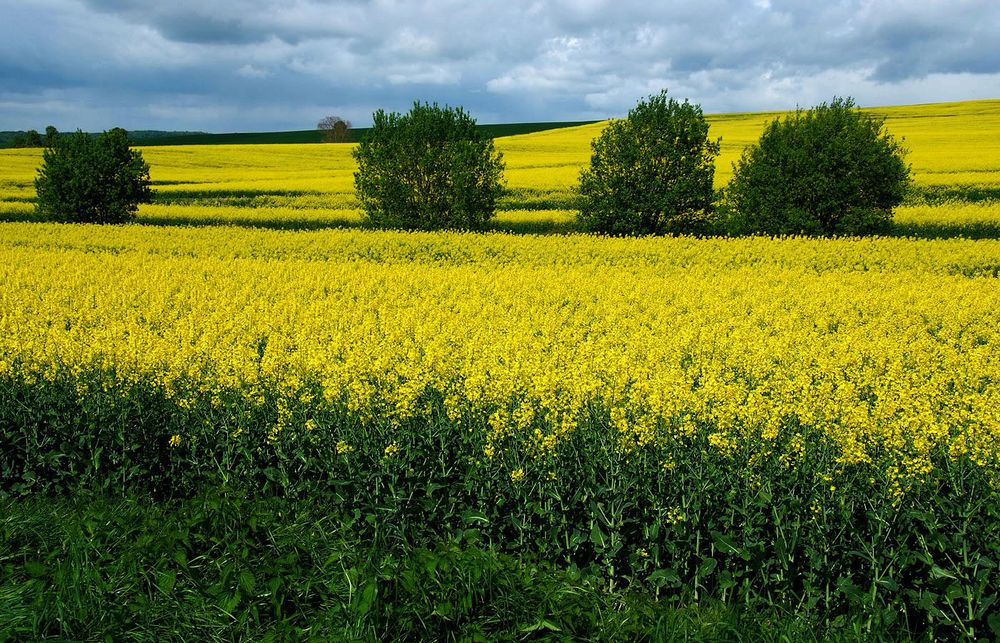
[849, 589]
[472, 516]
[229, 604]
[954, 591]
[889, 584]
[597, 536]
[248, 582]
[939, 572]
[927, 600]
[165, 581]
[994, 622]
[367, 597]
[35, 569]
[707, 566]
[542, 625]
[661, 577]
[726, 544]
[443, 610]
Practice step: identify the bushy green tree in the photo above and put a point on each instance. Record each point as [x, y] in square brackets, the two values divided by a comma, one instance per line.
[31, 138]
[87, 179]
[830, 170]
[430, 168]
[652, 172]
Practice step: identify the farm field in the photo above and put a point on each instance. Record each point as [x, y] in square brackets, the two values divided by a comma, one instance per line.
[805, 428]
[954, 156]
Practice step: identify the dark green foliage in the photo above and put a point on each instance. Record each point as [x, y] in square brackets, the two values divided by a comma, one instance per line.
[32, 139]
[652, 172]
[752, 531]
[940, 195]
[86, 179]
[830, 170]
[428, 169]
[224, 567]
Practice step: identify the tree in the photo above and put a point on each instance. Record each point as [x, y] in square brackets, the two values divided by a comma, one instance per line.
[87, 179]
[334, 129]
[825, 171]
[31, 138]
[51, 134]
[652, 172]
[430, 168]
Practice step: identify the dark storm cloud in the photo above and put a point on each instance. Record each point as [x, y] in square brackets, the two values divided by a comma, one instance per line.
[196, 23]
[262, 64]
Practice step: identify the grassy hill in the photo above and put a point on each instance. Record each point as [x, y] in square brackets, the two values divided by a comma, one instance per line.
[160, 137]
[140, 137]
[316, 136]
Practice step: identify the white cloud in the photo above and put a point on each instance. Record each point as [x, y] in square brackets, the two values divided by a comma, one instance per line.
[252, 71]
[427, 75]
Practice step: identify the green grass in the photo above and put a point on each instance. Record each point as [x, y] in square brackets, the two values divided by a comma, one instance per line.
[220, 567]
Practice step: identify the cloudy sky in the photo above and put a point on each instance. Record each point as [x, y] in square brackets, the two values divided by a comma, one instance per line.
[256, 65]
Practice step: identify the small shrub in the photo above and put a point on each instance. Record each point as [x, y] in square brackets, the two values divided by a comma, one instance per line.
[85, 179]
[651, 173]
[428, 169]
[830, 170]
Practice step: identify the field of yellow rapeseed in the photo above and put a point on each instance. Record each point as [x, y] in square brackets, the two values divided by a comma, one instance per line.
[882, 347]
[796, 422]
[886, 350]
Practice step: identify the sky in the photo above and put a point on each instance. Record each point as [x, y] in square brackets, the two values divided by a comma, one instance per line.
[264, 65]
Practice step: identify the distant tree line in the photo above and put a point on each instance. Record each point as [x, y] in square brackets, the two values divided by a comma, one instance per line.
[31, 138]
